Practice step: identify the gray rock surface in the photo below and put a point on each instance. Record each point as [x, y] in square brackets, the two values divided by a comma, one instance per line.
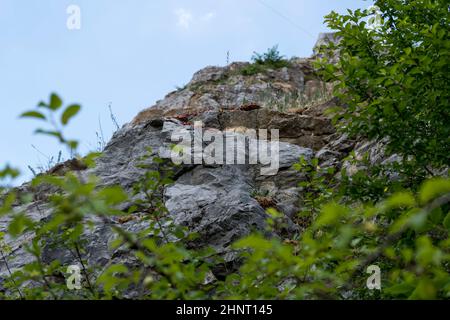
[216, 201]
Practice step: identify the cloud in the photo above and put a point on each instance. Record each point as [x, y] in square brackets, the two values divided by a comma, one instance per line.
[184, 18]
[208, 16]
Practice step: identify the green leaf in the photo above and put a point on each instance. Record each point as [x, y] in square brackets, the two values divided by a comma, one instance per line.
[253, 241]
[55, 102]
[426, 253]
[112, 195]
[43, 104]
[8, 172]
[89, 160]
[69, 113]
[18, 224]
[33, 114]
[50, 133]
[436, 215]
[73, 144]
[401, 199]
[330, 214]
[418, 220]
[273, 213]
[425, 290]
[433, 188]
[446, 222]
[402, 289]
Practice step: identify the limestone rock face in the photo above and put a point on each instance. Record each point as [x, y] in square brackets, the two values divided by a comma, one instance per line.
[219, 201]
[214, 201]
[293, 89]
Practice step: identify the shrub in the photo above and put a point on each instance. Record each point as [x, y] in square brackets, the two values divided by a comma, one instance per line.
[393, 80]
[272, 59]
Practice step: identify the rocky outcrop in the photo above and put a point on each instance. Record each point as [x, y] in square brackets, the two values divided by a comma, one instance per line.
[293, 89]
[215, 201]
[220, 202]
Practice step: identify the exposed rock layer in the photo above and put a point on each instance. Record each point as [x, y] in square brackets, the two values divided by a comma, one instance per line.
[219, 202]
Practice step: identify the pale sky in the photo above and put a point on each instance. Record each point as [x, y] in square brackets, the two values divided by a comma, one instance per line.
[130, 54]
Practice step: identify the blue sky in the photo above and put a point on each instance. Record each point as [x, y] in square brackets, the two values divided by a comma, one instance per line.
[130, 54]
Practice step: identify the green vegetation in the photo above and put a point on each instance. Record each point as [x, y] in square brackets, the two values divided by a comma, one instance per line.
[406, 234]
[396, 76]
[393, 82]
[272, 59]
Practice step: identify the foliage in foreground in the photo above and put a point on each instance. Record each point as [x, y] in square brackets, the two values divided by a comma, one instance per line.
[406, 235]
[393, 83]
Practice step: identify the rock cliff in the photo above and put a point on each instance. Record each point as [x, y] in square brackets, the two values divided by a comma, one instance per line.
[220, 202]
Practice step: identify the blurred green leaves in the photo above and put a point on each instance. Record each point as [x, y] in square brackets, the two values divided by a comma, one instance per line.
[69, 113]
[49, 115]
[433, 188]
